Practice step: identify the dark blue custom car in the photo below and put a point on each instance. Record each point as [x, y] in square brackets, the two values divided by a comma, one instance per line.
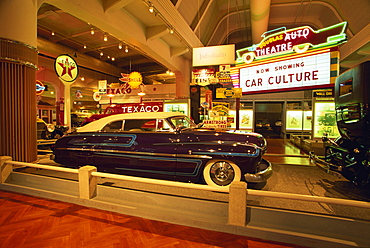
[166, 146]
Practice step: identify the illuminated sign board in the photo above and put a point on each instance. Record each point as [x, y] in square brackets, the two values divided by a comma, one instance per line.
[214, 55]
[281, 41]
[216, 124]
[66, 68]
[137, 107]
[39, 87]
[296, 73]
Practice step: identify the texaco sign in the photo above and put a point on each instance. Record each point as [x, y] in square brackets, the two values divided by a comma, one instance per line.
[66, 68]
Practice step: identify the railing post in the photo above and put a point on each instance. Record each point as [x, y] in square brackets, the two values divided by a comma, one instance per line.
[87, 182]
[5, 169]
[238, 204]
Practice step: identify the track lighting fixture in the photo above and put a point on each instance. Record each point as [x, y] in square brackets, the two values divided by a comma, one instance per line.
[126, 49]
[92, 31]
[52, 33]
[101, 54]
[85, 46]
[151, 8]
[105, 37]
[120, 46]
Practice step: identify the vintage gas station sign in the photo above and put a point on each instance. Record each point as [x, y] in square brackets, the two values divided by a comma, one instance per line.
[40, 87]
[66, 68]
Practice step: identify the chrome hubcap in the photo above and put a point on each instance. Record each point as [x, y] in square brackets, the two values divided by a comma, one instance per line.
[222, 173]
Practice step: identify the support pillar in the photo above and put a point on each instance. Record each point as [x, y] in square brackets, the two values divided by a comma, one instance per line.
[18, 65]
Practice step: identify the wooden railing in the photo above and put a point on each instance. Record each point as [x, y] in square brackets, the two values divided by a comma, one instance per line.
[238, 192]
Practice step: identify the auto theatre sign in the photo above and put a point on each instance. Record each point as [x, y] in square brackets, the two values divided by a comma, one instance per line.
[298, 40]
[301, 72]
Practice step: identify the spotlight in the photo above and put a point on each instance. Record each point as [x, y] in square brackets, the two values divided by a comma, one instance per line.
[85, 46]
[101, 54]
[120, 46]
[151, 8]
[92, 31]
[113, 59]
[52, 33]
[126, 49]
[105, 37]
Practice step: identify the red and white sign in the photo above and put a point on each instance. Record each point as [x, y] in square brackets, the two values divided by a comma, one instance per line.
[66, 68]
[301, 72]
[135, 107]
[216, 124]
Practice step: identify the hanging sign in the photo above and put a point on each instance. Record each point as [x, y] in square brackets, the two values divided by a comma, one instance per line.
[66, 68]
[214, 55]
[102, 86]
[299, 40]
[119, 90]
[223, 75]
[124, 78]
[135, 79]
[40, 87]
[221, 107]
[228, 92]
[203, 77]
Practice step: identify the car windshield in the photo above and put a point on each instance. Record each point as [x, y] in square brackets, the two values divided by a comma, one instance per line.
[182, 122]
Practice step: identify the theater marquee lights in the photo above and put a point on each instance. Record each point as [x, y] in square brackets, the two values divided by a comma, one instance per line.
[299, 40]
[294, 59]
[295, 73]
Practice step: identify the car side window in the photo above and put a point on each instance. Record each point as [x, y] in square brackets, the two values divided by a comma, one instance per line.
[113, 126]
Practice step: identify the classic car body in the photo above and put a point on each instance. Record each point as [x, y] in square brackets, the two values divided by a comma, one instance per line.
[165, 146]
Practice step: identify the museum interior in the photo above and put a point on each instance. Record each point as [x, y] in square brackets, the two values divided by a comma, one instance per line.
[274, 84]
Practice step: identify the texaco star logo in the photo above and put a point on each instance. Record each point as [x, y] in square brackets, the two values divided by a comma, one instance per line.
[66, 68]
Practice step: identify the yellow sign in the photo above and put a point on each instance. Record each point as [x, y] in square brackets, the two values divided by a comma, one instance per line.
[221, 107]
[135, 79]
[228, 92]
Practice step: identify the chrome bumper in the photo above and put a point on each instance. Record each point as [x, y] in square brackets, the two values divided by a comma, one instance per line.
[261, 176]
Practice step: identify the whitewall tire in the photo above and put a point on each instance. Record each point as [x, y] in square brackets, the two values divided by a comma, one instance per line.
[218, 173]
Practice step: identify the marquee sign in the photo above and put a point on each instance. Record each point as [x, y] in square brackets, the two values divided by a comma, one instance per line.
[299, 40]
[66, 68]
[297, 73]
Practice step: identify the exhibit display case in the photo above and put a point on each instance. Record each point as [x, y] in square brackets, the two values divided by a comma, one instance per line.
[176, 106]
[245, 119]
[324, 120]
[298, 120]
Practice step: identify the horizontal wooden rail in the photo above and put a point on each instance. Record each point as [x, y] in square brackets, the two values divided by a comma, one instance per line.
[46, 167]
[288, 196]
[160, 182]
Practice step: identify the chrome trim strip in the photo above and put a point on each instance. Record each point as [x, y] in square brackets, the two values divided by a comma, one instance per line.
[137, 153]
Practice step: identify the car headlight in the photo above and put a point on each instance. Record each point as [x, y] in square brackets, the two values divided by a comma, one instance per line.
[50, 127]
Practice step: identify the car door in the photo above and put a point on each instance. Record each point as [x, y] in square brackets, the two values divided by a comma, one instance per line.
[151, 152]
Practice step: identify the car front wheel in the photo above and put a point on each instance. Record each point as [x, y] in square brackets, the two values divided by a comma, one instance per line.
[221, 173]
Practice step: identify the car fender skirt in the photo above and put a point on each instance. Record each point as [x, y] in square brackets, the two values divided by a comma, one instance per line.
[261, 176]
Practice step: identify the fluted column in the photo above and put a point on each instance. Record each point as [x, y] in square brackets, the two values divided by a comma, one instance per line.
[18, 65]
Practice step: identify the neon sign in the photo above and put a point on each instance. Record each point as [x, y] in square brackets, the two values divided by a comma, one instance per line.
[298, 40]
[298, 73]
[39, 87]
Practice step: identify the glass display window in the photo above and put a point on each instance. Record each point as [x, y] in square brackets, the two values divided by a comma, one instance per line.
[245, 119]
[297, 120]
[325, 121]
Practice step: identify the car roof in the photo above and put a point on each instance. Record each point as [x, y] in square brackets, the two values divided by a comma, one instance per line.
[100, 123]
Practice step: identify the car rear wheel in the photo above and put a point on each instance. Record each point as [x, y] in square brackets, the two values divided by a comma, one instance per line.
[221, 173]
